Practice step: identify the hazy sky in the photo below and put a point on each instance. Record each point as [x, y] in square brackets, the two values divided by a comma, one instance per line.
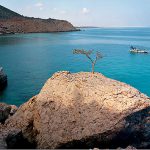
[104, 13]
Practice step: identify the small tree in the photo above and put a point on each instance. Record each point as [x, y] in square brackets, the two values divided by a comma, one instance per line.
[87, 53]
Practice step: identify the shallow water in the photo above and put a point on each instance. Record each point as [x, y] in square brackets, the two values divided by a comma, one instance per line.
[30, 59]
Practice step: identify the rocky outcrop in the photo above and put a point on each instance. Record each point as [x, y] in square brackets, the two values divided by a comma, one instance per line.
[81, 110]
[6, 110]
[3, 79]
[14, 108]
[11, 22]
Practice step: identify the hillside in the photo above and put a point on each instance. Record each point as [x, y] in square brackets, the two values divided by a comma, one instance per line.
[8, 14]
[12, 22]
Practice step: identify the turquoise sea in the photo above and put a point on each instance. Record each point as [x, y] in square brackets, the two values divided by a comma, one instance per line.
[30, 59]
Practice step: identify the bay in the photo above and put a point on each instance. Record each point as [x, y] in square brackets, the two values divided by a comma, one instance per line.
[30, 59]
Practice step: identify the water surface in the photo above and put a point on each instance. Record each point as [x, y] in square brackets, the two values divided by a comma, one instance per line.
[30, 59]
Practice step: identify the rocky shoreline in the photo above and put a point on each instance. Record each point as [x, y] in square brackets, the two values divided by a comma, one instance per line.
[2, 33]
[34, 25]
[80, 110]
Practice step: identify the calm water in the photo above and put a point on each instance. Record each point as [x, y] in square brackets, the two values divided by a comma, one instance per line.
[30, 59]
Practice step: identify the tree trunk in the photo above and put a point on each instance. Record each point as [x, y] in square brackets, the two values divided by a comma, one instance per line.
[93, 65]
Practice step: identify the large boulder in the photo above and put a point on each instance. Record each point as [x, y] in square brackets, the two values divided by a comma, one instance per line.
[82, 110]
[3, 79]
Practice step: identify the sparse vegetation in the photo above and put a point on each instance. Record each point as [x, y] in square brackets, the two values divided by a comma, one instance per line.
[87, 53]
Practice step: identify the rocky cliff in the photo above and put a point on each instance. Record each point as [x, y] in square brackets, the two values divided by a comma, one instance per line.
[12, 22]
[80, 110]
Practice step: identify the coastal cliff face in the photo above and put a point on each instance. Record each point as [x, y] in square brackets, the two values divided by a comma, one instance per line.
[81, 110]
[11, 22]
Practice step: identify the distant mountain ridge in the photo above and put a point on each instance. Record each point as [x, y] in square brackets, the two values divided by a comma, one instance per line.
[5, 13]
[12, 22]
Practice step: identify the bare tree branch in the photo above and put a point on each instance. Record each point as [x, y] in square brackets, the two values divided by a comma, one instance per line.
[89, 58]
[87, 54]
[98, 56]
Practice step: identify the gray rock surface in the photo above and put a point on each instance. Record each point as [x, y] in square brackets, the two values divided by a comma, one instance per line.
[4, 112]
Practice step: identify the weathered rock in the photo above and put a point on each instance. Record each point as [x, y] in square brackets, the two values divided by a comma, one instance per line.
[14, 108]
[3, 79]
[83, 110]
[4, 112]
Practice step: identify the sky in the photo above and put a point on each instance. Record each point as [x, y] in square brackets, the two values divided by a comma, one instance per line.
[100, 13]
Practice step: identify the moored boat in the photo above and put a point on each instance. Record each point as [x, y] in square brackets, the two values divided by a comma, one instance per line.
[135, 50]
